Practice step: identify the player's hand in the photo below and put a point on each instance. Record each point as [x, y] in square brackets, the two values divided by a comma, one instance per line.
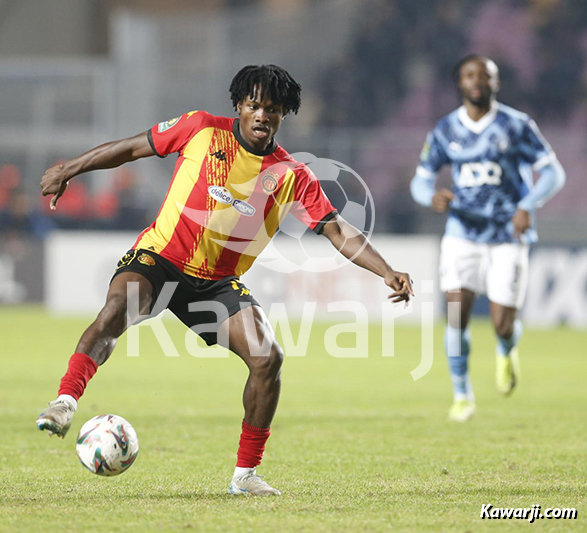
[401, 283]
[521, 222]
[441, 200]
[54, 182]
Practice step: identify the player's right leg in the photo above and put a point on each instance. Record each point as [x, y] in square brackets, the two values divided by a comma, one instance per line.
[93, 349]
[457, 344]
[461, 277]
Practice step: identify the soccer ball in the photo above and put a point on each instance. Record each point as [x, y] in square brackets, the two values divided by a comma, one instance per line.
[107, 445]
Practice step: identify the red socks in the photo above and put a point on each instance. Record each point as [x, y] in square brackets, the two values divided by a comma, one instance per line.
[251, 446]
[80, 370]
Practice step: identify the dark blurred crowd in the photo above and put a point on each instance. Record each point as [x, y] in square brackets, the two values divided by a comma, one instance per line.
[112, 208]
[400, 58]
[396, 36]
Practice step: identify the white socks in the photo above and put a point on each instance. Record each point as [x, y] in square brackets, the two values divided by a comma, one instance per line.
[241, 471]
[68, 399]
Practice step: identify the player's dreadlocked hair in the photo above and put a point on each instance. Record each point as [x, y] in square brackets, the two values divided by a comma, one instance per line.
[275, 82]
[456, 71]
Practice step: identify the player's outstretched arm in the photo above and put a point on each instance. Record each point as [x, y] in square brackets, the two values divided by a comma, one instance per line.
[351, 243]
[108, 155]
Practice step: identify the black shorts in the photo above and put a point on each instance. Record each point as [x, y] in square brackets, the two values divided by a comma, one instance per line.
[204, 295]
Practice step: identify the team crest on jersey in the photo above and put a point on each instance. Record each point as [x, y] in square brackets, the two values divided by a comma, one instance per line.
[146, 259]
[269, 182]
[164, 126]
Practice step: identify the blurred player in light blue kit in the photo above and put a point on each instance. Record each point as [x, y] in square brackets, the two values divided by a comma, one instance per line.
[492, 150]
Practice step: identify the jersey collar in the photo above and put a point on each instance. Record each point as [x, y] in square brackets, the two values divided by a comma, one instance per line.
[268, 151]
[477, 126]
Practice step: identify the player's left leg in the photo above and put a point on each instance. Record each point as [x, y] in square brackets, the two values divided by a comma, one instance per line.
[225, 312]
[509, 331]
[507, 279]
[252, 338]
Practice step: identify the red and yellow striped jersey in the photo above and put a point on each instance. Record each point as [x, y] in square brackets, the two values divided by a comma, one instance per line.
[226, 199]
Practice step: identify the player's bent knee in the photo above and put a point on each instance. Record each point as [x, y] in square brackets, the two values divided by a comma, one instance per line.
[276, 357]
[267, 364]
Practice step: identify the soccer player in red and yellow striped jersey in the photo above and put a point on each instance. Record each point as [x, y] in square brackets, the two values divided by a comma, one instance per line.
[227, 198]
[232, 186]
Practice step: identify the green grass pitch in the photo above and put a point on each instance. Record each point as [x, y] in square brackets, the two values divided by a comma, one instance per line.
[357, 445]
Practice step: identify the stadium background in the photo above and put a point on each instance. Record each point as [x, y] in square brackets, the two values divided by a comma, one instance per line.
[376, 75]
[357, 445]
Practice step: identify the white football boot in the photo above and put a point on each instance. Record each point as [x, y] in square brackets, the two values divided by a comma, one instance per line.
[56, 419]
[251, 484]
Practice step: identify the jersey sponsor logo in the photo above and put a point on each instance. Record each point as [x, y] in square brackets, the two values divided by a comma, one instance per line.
[164, 126]
[224, 196]
[146, 259]
[244, 208]
[220, 194]
[477, 174]
[269, 182]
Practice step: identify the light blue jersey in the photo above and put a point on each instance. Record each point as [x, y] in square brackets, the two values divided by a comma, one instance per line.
[491, 161]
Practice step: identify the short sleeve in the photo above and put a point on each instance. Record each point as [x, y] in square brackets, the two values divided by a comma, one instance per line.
[433, 156]
[173, 135]
[533, 147]
[311, 205]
